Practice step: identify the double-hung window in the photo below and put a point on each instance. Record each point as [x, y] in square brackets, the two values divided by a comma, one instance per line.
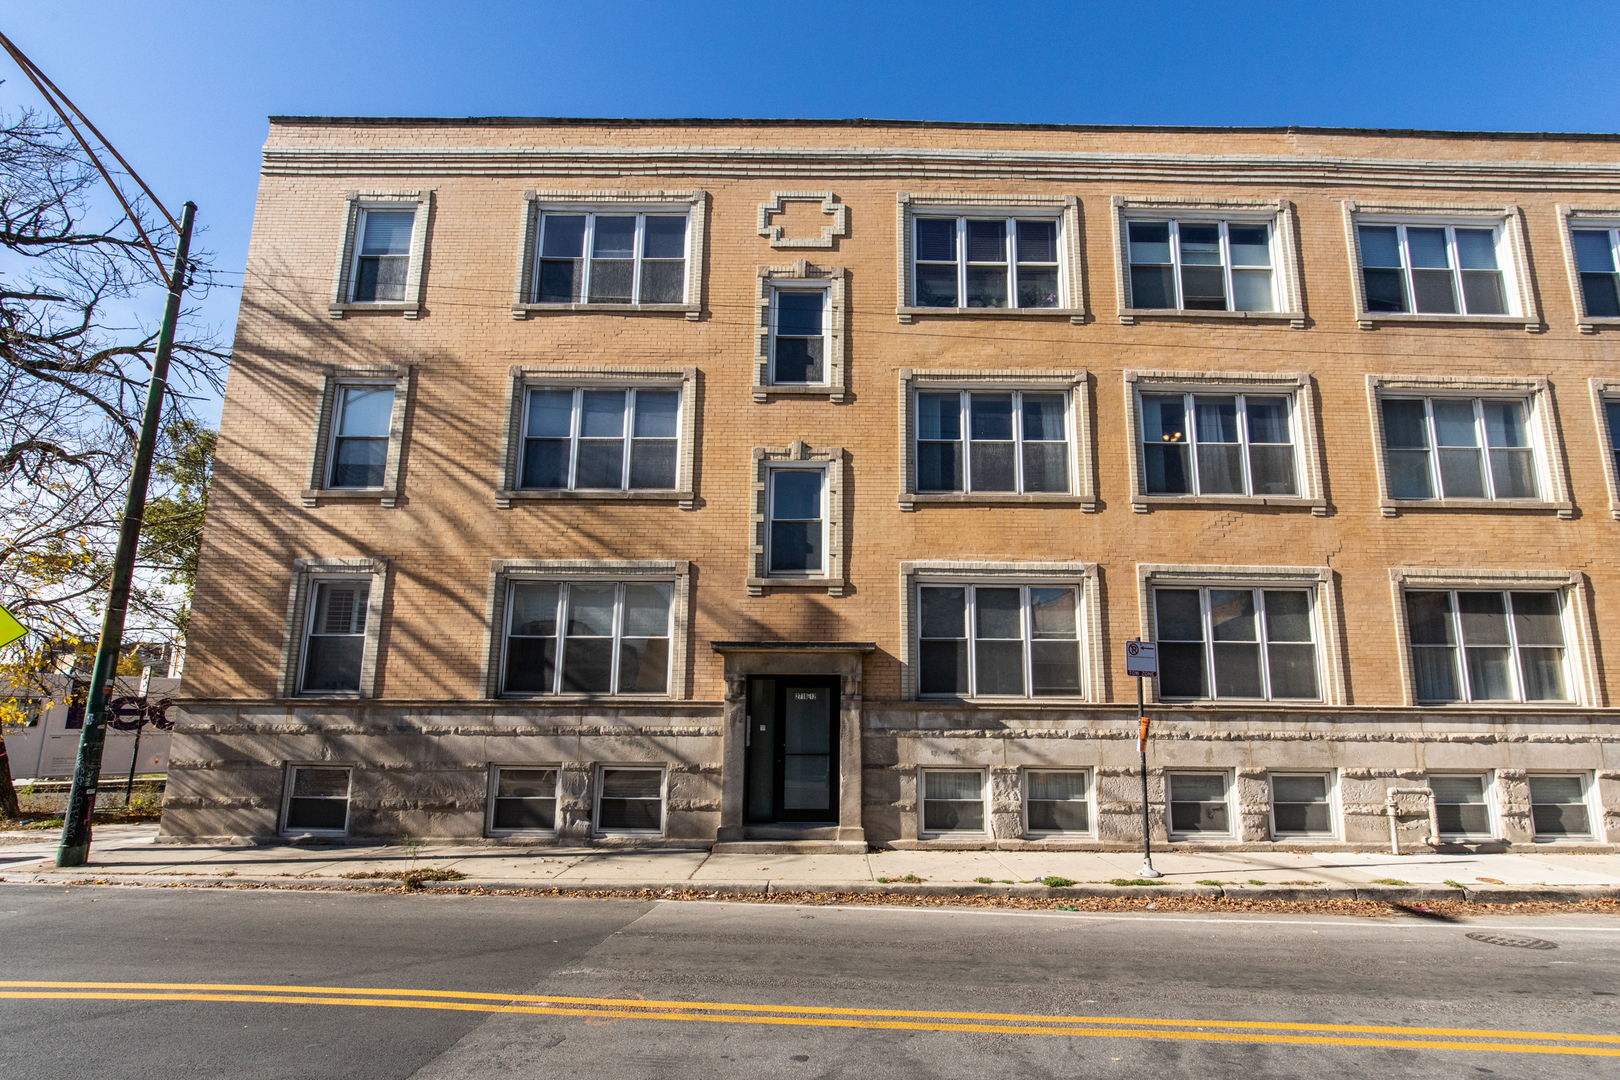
[1558, 807]
[1301, 804]
[1434, 269]
[1200, 803]
[317, 800]
[1201, 265]
[1611, 413]
[1462, 804]
[1057, 802]
[972, 262]
[1487, 646]
[999, 641]
[796, 534]
[630, 800]
[953, 800]
[611, 258]
[335, 637]
[361, 422]
[799, 332]
[1257, 643]
[382, 257]
[587, 637]
[1455, 448]
[1596, 260]
[984, 441]
[1219, 444]
[585, 439]
[522, 799]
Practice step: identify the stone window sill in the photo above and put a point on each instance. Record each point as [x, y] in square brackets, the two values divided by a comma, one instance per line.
[834, 394]
[392, 307]
[1591, 324]
[1074, 315]
[1143, 504]
[909, 500]
[989, 701]
[1369, 319]
[524, 311]
[1129, 316]
[385, 497]
[1393, 507]
[504, 498]
[594, 699]
[758, 585]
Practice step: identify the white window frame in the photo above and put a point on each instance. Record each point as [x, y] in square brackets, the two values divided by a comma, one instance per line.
[1243, 443]
[1512, 256]
[825, 337]
[1081, 618]
[1286, 273]
[333, 380]
[770, 518]
[356, 204]
[506, 572]
[1298, 387]
[692, 204]
[564, 586]
[1459, 650]
[287, 795]
[300, 610]
[1233, 823]
[637, 255]
[1541, 422]
[1594, 811]
[834, 464]
[495, 770]
[1606, 392]
[627, 438]
[598, 778]
[1010, 252]
[1482, 443]
[1493, 811]
[1076, 384]
[967, 440]
[1571, 218]
[925, 833]
[1090, 801]
[1580, 666]
[309, 633]
[1084, 576]
[1064, 209]
[1331, 776]
[1227, 266]
[1261, 641]
[521, 379]
[801, 276]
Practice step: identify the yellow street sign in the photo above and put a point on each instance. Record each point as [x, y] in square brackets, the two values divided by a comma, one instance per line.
[10, 628]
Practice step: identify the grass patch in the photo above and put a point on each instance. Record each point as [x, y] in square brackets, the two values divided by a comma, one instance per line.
[408, 879]
[985, 880]
[1056, 882]
[1390, 881]
[1455, 884]
[911, 879]
[1255, 881]
[1134, 881]
[1206, 881]
[882, 881]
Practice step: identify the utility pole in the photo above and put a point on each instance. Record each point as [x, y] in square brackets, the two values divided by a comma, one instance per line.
[75, 846]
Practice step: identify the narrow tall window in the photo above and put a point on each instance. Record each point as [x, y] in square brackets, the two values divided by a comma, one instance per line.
[360, 435]
[1013, 442]
[611, 258]
[953, 800]
[383, 261]
[1432, 270]
[578, 439]
[986, 263]
[1487, 646]
[335, 638]
[1595, 260]
[1611, 412]
[587, 637]
[1218, 444]
[799, 337]
[317, 800]
[796, 534]
[1458, 448]
[1201, 266]
[999, 641]
[1258, 643]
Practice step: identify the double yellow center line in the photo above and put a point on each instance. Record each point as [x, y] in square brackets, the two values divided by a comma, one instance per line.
[715, 1012]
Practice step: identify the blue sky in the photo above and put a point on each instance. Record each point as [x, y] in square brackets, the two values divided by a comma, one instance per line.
[183, 87]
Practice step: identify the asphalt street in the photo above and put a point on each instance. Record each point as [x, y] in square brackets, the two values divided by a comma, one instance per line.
[177, 983]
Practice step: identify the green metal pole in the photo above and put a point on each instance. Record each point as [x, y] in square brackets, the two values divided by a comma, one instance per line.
[75, 846]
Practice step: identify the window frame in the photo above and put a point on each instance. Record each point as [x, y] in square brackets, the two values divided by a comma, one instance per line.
[599, 776]
[801, 276]
[1064, 209]
[495, 770]
[1580, 666]
[1594, 813]
[521, 379]
[506, 572]
[1026, 640]
[306, 574]
[575, 436]
[1299, 388]
[1082, 465]
[289, 778]
[965, 398]
[1604, 393]
[693, 204]
[333, 381]
[1335, 829]
[1327, 625]
[1234, 825]
[1459, 649]
[562, 637]
[1083, 576]
[1261, 642]
[925, 833]
[1286, 274]
[834, 464]
[1090, 801]
[770, 518]
[1493, 811]
[1512, 251]
[1571, 218]
[1244, 443]
[1541, 422]
[356, 204]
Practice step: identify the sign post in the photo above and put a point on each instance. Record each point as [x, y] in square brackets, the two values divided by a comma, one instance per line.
[1142, 661]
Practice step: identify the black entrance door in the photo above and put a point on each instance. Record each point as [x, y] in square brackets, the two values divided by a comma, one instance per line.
[792, 748]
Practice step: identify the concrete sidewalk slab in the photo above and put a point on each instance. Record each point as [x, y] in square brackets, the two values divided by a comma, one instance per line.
[782, 867]
[657, 866]
[1467, 869]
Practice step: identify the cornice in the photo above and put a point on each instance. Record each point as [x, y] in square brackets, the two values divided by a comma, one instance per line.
[934, 163]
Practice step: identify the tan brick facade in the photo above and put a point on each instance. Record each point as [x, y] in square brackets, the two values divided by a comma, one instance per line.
[421, 745]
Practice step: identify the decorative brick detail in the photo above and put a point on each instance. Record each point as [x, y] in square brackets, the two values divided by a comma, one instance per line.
[829, 233]
[837, 466]
[1591, 217]
[332, 379]
[802, 273]
[343, 286]
[1298, 386]
[304, 574]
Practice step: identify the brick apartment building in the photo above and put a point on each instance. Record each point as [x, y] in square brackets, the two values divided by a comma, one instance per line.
[800, 482]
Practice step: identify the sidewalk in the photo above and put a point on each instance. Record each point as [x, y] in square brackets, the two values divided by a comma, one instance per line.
[128, 854]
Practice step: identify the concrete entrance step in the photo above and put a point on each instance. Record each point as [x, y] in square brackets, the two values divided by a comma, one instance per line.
[790, 847]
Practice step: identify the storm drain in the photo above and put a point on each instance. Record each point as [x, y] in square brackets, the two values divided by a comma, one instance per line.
[1513, 942]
